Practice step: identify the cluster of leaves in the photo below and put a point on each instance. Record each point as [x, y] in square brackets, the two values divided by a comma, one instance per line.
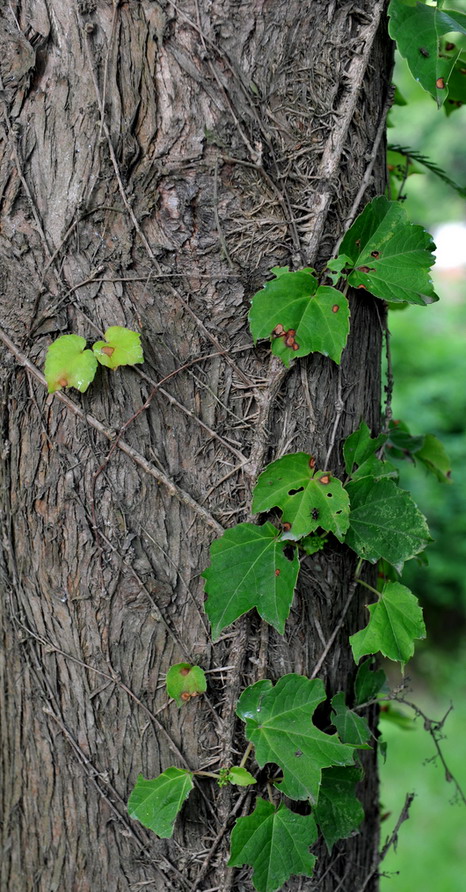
[382, 252]
[70, 364]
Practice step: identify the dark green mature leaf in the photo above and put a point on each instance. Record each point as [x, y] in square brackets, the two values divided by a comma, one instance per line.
[249, 569]
[278, 723]
[275, 842]
[185, 681]
[368, 682]
[416, 28]
[352, 728]
[385, 522]
[339, 812]
[156, 802]
[395, 621]
[308, 498]
[121, 347]
[300, 316]
[390, 255]
[68, 364]
[360, 446]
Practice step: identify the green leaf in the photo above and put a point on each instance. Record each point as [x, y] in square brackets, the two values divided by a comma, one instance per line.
[368, 682]
[359, 446]
[456, 86]
[156, 803]
[414, 155]
[121, 347]
[435, 458]
[68, 364]
[185, 681]
[313, 543]
[308, 498]
[338, 267]
[352, 728]
[416, 28]
[390, 255]
[385, 522]
[240, 777]
[249, 569]
[278, 723]
[275, 842]
[395, 621]
[299, 316]
[339, 812]
[389, 713]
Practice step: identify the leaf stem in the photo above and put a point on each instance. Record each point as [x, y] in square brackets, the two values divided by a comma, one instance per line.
[366, 585]
[206, 774]
[248, 752]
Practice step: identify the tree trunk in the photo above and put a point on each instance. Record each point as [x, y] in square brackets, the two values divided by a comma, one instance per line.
[157, 160]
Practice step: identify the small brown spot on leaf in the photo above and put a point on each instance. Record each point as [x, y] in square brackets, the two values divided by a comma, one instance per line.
[295, 346]
[279, 330]
[449, 47]
[63, 382]
[277, 572]
[108, 350]
[362, 286]
[325, 479]
[185, 696]
[312, 462]
[365, 269]
[287, 527]
[335, 308]
[440, 83]
[375, 253]
[184, 671]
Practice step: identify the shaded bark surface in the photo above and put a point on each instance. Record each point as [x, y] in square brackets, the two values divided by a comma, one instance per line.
[157, 159]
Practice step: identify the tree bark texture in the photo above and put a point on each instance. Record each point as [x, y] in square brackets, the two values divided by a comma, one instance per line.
[157, 159]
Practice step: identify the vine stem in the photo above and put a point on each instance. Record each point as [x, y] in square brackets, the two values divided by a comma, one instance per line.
[248, 752]
[206, 774]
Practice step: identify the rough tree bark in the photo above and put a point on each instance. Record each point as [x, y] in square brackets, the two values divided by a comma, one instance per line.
[157, 159]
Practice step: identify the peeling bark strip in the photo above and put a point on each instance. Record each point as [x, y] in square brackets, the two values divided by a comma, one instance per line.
[157, 159]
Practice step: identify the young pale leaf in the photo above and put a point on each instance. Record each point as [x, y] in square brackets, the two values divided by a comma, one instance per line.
[339, 812]
[313, 543]
[391, 256]
[156, 802]
[240, 777]
[185, 681]
[360, 446]
[416, 28]
[384, 522]
[121, 347]
[352, 728]
[249, 569]
[275, 842]
[300, 316]
[368, 682]
[68, 364]
[278, 723]
[395, 621]
[308, 498]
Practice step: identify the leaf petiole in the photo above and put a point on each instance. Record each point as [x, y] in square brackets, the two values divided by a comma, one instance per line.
[366, 585]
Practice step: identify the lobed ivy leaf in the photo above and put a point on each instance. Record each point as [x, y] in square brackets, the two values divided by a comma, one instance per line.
[278, 723]
[249, 569]
[156, 802]
[339, 812]
[308, 498]
[352, 728]
[360, 446]
[368, 683]
[275, 842]
[391, 257]
[416, 28]
[185, 681]
[300, 316]
[68, 364]
[121, 347]
[384, 522]
[395, 621]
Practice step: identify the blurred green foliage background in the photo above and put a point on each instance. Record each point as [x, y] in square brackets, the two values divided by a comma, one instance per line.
[429, 362]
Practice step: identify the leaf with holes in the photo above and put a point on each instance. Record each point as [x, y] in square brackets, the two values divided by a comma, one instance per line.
[391, 257]
[384, 522]
[395, 622]
[68, 364]
[352, 728]
[308, 498]
[185, 681]
[275, 843]
[249, 569]
[417, 28]
[300, 316]
[339, 812]
[121, 347]
[278, 723]
[156, 802]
